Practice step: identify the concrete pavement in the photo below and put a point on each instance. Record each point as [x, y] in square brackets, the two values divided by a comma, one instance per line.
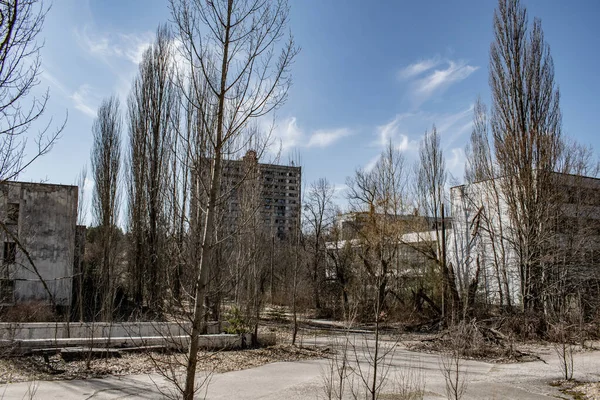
[304, 380]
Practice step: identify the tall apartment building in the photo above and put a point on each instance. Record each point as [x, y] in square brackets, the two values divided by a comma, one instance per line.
[270, 193]
[38, 234]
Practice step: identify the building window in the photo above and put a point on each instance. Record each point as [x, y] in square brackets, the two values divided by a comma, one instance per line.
[12, 213]
[7, 285]
[10, 252]
[7, 291]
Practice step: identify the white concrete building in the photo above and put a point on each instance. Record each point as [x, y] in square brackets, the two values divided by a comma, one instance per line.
[484, 235]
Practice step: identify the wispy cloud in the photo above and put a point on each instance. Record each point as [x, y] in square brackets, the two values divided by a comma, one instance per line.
[130, 46]
[325, 138]
[406, 130]
[82, 98]
[396, 132]
[456, 162]
[288, 135]
[54, 82]
[418, 68]
[440, 79]
[433, 77]
[372, 163]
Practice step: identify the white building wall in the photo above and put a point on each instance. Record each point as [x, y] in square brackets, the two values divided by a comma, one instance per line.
[481, 234]
[481, 207]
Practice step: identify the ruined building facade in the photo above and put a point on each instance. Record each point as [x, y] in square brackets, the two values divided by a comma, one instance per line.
[38, 232]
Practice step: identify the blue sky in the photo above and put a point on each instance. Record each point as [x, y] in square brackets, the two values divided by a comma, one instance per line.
[368, 72]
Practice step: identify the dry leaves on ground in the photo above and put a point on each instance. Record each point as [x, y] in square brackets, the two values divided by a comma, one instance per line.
[55, 368]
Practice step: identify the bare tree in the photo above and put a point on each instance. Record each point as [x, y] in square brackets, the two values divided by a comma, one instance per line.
[151, 108]
[526, 129]
[21, 21]
[431, 194]
[379, 198]
[487, 243]
[106, 163]
[318, 216]
[452, 365]
[231, 47]
[340, 266]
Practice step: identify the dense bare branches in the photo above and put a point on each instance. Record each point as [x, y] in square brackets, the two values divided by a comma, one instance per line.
[231, 48]
[379, 199]
[20, 23]
[151, 109]
[106, 163]
[431, 194]
[479, 164]
[318, 216]
[431, 175]
[526, 129]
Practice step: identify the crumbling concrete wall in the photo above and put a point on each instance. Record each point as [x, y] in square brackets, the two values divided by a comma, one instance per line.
[45, 231]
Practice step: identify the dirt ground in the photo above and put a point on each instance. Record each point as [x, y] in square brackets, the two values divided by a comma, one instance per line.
[20, 369]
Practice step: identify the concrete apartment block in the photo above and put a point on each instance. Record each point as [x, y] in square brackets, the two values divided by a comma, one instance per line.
[38, 242]
[273, 189]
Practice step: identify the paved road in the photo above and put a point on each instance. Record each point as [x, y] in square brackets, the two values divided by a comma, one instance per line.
[304, 380]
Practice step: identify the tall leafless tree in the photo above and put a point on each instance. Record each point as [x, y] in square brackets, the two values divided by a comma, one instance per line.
[485, 235]
[431, 196]
[21, 21]
[318, 217]
[106, 164]
[151, 108]
[379, 198]
[232, 48]
[526, 129]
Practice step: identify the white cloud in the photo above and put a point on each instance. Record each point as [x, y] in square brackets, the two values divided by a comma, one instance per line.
[372, 163]
[456, 162]
[288, 135]
[388, 131]
[440, 79]
[396, 132]
[339, 187]
[82, 98]
[325, 138]
[129, 47]
[404, 144]
[418, 68]
[433, 77]
[406, 131]
[446, 121]
[136, 46]
[53, 81]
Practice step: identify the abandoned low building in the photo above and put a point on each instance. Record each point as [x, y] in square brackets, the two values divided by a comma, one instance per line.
[564, 258]
[39, 232]
[405, 242]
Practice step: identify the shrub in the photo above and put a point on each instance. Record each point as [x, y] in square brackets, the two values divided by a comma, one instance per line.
[237, 322]
[33, 311]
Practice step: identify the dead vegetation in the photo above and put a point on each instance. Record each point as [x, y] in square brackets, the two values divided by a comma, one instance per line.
[32, 311]
[478, 340]
[55, 368]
